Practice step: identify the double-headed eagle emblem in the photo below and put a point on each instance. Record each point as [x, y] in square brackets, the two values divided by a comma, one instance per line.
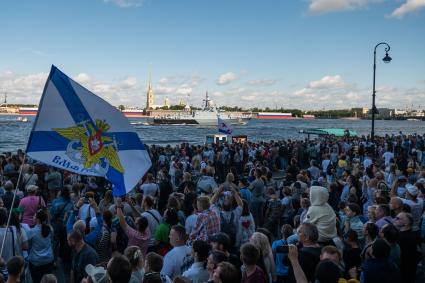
[89, 146]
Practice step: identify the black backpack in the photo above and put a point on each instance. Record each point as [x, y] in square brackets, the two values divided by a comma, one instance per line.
[122, 239]
[229, 227]
[329, 168]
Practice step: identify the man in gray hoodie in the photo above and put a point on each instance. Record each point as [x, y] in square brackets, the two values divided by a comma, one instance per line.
[321, 214]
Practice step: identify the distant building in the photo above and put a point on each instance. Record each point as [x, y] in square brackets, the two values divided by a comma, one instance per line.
[385, 113]
[360, 111]
[149, 96]
[167, 102]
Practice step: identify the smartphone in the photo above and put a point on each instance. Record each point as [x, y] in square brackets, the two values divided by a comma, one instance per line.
[282, 249]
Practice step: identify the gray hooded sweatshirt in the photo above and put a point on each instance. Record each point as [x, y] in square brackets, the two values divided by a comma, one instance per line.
[321, 214]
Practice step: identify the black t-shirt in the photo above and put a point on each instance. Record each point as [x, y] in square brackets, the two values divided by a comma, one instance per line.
[80, 260]
[8, 198]
[236, 262]
[352, 258]
[308, 257]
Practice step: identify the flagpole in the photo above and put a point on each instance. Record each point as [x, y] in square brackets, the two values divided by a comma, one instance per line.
[10, 210]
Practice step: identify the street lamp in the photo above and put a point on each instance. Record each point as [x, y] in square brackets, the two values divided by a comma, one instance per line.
[386, 59]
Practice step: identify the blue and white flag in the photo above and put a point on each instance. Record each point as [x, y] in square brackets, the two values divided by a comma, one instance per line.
[223, 127]
[76, 130]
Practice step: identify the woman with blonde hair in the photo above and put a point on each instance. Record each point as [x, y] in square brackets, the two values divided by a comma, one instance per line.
[371, 213]
[135, 257]
[261, 242]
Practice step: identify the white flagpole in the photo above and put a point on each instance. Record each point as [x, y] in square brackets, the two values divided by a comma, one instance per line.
[10, 210]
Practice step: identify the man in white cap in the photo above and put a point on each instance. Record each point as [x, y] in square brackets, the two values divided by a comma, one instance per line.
[416, 206]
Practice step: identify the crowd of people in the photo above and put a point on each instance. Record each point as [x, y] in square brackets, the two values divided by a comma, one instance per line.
[325, 210]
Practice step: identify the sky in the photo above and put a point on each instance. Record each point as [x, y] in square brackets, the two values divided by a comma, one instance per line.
[307, 54]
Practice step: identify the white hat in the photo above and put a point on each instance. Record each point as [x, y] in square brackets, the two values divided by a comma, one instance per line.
[413, 190]
[96, 273]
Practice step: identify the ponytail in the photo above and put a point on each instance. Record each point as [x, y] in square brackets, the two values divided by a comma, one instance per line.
[42, 217]
[45, 230]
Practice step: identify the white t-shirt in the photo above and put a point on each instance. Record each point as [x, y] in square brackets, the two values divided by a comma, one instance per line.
[86, 211]
[388, 155]
[367, 162]
[153, 223]
[197, 273]
[325, 164]
[190, 223]
[416, 211]
[173, 261]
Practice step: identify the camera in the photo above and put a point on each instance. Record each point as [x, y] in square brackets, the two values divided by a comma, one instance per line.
[282, 249]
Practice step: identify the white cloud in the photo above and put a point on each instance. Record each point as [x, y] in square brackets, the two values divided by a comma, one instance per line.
[22, 88]
[249, 97]
[184, 90]
[217, 94]
[327, 6]
[327, 82]
[82, 78]
[129, 82]
[163, 80]
[125, 3]
[410, 6]
[227, 78]
[262, 82]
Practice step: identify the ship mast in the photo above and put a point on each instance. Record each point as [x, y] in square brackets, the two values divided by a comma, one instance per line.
[207, 101]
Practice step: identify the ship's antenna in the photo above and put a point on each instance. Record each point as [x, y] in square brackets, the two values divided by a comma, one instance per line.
[206, 100]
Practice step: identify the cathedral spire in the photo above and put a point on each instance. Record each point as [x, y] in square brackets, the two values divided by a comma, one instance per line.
[149, 94]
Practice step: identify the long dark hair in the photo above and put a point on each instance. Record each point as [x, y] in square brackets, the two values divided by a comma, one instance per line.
[42, 217]
[245, 208]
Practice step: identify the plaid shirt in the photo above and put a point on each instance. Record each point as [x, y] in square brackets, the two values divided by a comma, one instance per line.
[207, 224]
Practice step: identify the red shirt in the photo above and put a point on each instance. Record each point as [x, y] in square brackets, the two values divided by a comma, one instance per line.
[257, 277]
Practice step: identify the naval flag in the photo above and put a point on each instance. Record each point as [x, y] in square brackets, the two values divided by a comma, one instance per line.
[76, 130]
[223, 127]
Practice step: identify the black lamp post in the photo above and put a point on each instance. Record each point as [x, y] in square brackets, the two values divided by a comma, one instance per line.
[386, 59]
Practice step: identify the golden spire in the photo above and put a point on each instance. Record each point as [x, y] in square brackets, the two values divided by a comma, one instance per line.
[149, 94]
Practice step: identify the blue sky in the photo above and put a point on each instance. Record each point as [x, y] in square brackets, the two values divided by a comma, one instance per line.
[310, 54]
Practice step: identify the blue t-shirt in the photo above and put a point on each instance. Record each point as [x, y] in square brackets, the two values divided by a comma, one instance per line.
[281, 269]
[246, 194]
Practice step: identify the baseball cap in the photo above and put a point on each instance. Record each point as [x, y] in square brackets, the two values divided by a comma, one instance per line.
[96, 273]
[413, 190]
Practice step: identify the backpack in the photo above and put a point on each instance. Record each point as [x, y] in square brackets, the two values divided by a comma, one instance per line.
[122, 239]
[229, 227]
[329, 168]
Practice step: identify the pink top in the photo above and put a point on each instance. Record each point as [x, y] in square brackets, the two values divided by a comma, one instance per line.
[30, 204]
[135, 238]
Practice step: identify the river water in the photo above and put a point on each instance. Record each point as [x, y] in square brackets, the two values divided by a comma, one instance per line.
[14, 134]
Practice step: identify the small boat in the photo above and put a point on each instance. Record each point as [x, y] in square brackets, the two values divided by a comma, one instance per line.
[22, 119]
[330, 132]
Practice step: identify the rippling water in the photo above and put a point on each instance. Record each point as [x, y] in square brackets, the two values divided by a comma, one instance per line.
[14, 134]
